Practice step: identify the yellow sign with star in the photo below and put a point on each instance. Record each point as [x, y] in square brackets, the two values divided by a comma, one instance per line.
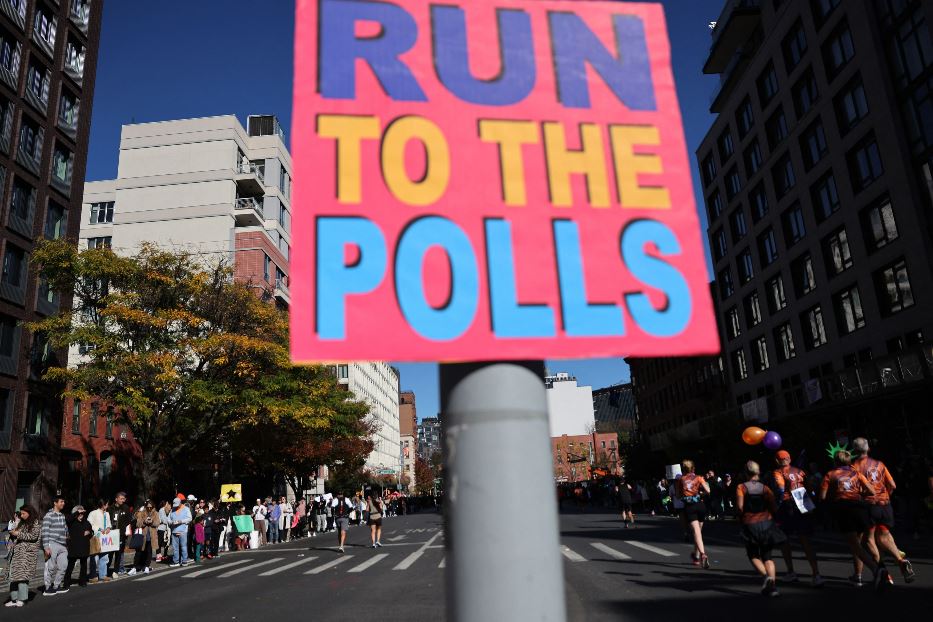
[230, 493]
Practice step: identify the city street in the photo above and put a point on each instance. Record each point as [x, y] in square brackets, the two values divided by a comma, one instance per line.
[637, 574]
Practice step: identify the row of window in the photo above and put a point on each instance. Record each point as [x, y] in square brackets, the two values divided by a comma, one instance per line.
[94, 420]
[892, 288]
[20, 215]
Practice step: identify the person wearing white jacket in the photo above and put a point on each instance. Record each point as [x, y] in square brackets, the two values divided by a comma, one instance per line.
[285, 518]
[101, 524]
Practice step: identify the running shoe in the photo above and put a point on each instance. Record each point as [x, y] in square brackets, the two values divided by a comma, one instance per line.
[374, 545]
[907, 569]
[768, 588]
[817, 581]
[173, 565]
[132, 572]
[340, 548]
[14, 603]
[791, 577]
[856, 580]
[704, 561]
[147, 570]
[379, 544]
[881, 578]
[61, 590]
[50, 591]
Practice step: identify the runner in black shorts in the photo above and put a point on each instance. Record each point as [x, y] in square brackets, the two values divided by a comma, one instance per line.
[756, 506]
[691, 487]
[788, 482]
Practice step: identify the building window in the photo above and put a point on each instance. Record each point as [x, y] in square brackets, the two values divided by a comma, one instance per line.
[733, 184]
[343, 372]
[767, 247]
[726, 286]
[836, 250]
[738, 225]
[14, 264]
[714, 206]
[918, 115]
[22, 203]
[851, 105]
[758, 199]
[753, 159]
[100, 242]
[802, 274]
[108, 424]
[822, 10]
[805, 93]
[38, 79]
[744, 118]
[733, 327]
[794, 228]
[864, 163]
[776, 128]
[911, 49]
[92, 421]
[760, 355]
[878, 225]
[726, 146]
[794, 46]
[44, 26]
[752, 310]
[838, 50]
[892, 286]
[739, 365]
[849, 314]
[813, 144]
[813, 328]
[68, 108]
[76, 417]
[37, 418]
[709, 169]
[62, 164]
[55, 221]
[101, 212]
[719, 244]
[784, 343]
[784, 177]
[767, 85]
[825, 197]
[776, 298]
[746, 269]
[31, 137]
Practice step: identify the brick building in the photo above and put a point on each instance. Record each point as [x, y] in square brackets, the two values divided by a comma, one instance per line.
[584, 456]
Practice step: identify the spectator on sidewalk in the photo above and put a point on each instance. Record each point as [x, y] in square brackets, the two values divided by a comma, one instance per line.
[79, 545]
[198, 538]
[147, 520]
[165, 508]
[259, 520]
[208, 519]
[101, 523]
[120, 517]
[285, 519]
[24, 554]
[320, 515]
[178, 520]
[55, 545]
[275, 515]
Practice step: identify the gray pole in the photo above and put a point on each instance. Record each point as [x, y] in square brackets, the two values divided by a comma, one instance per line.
[500, 507]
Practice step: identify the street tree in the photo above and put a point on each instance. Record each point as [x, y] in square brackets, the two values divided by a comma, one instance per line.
[424, 477]
[188, 353]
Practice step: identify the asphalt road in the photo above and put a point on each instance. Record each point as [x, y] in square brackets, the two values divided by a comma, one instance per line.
[610, 573]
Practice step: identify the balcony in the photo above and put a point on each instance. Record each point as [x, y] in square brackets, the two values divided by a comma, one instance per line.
[16, 11]
[728, 80]
[80, 13]
[248, 212]
[282, 294]
[735, 25]
[250, 178]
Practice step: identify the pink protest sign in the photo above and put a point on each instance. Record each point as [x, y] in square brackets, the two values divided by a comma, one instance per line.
[493, 179]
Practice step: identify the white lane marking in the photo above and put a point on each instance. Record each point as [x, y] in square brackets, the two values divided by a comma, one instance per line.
[571, 555]
[375, 559]
[611, 552]
[329, 565]
[406, 563]
[245, 568]
[396, 538]
[651, 549]
[443, 563]
[163, 573]
[269, 573]
[198, 573]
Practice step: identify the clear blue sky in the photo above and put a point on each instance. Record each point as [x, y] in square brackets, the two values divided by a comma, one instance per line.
[235, 57]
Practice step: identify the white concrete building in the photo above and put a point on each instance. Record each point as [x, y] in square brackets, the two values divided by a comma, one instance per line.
[570, 407]
[378, 385]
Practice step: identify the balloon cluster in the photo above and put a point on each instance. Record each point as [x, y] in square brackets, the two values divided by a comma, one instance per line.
[754, 435]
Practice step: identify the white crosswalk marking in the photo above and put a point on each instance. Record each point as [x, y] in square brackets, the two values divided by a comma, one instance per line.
[443, 563]
[250, 568]
[406, 563]
[652, 549]
[375, 559]
[329, 565]
[396, 538]
[198, 573]
[269, 573]
[571, 555]
[611, 552]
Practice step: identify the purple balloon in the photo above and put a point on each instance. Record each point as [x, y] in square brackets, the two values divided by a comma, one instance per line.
[773, 441]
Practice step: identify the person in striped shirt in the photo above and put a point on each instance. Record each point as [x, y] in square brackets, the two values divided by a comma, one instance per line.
[54, 540]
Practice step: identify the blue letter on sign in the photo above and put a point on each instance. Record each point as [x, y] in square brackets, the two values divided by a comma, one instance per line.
[629, 76]
[452, 60]
[674, 318]
[581, 319]
[335, 279]
[451, 320]
[340, 49]
[510, 319]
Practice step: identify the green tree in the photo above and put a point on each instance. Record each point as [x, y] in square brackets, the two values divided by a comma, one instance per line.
[190, 354]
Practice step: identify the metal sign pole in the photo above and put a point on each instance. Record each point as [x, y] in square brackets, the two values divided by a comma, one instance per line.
[503, 554]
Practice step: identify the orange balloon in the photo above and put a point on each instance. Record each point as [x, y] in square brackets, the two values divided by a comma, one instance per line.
[753, 435]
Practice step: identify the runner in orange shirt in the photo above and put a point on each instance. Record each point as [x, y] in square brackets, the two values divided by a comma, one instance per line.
[878, 538]
[791, 520]
[848, 489]
[756, 505]
[691, 487]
